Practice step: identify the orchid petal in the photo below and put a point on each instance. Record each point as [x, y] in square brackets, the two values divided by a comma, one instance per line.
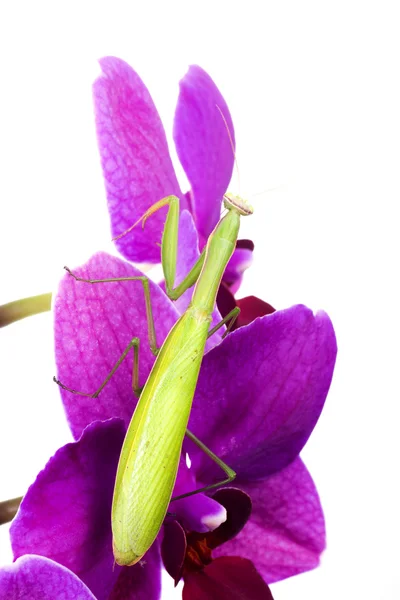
[188, 253]
[263, 390]
[198, 512]
[252, 307]
[287, 521]
[173, 548]
[226, 578]
[37, 578]
[134, 153]
[93, 326]
[238, 507]
[65, 514]
[241, 260]
[203, 145]
[141, 581]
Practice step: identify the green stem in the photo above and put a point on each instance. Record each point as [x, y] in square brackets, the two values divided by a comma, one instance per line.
[8, 509]
[26, 307]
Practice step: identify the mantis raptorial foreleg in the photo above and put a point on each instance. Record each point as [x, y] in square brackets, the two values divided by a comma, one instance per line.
[169, 248]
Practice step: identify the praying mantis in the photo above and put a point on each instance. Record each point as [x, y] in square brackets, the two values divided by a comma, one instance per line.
[151, 450]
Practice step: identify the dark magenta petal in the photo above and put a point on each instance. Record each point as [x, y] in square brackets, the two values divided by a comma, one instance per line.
[37, 578]
[239, 262]
[244, 244]
[198, 512]
[93, 326]
[252, 307]
[134, 154]
[226, 302]
[287, 523]
[203, 145]
[227, 578]
[173, 548]
[141, 581]
[238, 508]
[188, 253]
[65, 514]
[262, 391]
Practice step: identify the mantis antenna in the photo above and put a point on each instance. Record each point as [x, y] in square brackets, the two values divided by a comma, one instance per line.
[231, 143]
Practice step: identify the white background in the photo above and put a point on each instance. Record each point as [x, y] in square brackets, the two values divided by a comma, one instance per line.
[312, 88]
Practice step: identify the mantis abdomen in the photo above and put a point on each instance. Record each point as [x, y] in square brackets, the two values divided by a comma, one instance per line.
[152, 440]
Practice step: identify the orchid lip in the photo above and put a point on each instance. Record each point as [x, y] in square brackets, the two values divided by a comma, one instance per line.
[215, 520]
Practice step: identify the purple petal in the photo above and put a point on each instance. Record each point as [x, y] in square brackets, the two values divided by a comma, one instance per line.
[203, 145]
[38, 578]
[239, 262]
[272, 379]
[134, 154]
[197, 512]
[65, 514]
[288, 523]
[226, 578]
[141, 581]
[173, 548]
[188, 253]
[93, 326]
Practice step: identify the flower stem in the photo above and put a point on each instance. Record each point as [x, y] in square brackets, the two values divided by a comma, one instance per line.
[8, 509]
[26, 307]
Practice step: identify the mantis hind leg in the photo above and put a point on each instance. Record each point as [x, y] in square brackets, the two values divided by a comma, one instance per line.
[133, 344]
[230, 473]
[231, 317]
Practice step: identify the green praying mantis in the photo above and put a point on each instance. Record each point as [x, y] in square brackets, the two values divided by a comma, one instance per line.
[151, 450]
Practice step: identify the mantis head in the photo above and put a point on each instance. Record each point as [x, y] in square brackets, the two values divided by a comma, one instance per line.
[238, 203]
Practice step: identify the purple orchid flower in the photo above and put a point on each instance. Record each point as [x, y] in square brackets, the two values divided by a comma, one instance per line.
[258, 398]
[276, 389]
[137, 166]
